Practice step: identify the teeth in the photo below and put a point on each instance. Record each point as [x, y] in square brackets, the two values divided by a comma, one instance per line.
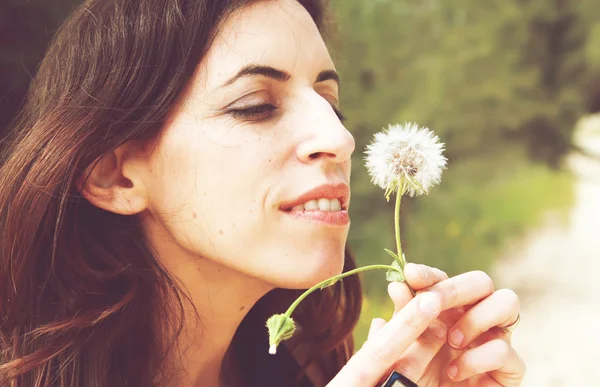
[311, 205]
[324, 204]
[335, 205]
[321, 205]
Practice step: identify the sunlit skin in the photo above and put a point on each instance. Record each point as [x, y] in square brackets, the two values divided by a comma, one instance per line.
[218, 178]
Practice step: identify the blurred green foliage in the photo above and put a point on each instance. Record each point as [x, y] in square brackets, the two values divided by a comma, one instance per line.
[502, 82]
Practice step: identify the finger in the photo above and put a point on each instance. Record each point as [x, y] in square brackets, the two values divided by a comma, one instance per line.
[400, 295]
[418, 356]
[496, 357]
[501, 308]
[376, 357]
[463, 289]
[421, 276]
[376, 325]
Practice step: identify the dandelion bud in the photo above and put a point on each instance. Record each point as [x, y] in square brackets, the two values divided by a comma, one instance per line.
[281, 327]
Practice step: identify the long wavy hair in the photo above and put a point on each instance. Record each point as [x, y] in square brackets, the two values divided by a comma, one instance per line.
[84, 301]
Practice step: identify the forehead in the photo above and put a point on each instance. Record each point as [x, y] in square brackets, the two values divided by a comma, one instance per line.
[279, 33]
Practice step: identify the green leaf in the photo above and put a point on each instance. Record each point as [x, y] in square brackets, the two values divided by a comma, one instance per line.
[394, 255]
[395, 275]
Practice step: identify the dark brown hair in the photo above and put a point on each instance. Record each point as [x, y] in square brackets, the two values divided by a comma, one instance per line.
[84, 302]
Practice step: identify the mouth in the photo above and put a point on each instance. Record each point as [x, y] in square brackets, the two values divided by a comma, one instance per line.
[327, 203]
[326, 197]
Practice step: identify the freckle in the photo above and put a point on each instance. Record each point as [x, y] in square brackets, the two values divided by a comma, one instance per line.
[269, 161]
[242, 308]
[194, 215]
[221, 232]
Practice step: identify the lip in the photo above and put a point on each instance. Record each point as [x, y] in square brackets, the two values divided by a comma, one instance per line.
[340, 191]
[330, 218]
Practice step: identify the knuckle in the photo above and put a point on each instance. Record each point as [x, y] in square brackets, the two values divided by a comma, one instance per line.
[453, 293]
[425, 272]
[423, 310]
[414, 320]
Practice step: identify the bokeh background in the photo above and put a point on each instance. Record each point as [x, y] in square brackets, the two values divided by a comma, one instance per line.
[513, 89]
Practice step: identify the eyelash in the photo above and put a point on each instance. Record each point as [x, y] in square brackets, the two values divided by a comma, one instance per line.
[252, 113]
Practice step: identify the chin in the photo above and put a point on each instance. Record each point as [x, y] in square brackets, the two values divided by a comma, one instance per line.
[310, 269]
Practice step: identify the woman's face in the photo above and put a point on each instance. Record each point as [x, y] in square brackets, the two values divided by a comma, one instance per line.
[256, 131]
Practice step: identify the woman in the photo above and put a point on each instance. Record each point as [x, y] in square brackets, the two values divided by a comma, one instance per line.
[147, 230]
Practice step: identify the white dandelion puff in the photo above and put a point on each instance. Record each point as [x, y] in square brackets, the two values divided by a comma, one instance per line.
[406, 158]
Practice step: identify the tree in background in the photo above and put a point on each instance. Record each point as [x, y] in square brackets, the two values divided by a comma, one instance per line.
[502, 82]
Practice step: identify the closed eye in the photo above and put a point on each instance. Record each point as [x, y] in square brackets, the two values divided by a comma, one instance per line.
[338, 113]
[254, 113]
[265, 111]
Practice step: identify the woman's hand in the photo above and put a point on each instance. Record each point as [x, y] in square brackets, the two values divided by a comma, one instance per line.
[416, 343]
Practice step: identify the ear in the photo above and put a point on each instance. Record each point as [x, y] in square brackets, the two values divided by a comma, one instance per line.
[115, 182]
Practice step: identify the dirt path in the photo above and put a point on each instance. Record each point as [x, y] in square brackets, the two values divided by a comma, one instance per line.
[557, 276]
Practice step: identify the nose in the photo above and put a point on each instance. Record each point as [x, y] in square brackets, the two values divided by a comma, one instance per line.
[326, 137]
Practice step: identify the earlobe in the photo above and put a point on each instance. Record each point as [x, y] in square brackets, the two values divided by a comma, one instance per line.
[114, 184]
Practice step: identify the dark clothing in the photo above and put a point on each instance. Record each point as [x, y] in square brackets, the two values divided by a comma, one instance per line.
[261, 369]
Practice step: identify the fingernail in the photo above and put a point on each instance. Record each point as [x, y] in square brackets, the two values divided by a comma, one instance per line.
[452, 371]
[429, 303]
[438, 330]
[456, 338]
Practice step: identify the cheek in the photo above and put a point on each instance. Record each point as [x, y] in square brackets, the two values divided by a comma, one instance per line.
[210, 194]
[215, 202]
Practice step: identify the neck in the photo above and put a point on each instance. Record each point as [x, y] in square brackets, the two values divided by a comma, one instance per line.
[221, 297]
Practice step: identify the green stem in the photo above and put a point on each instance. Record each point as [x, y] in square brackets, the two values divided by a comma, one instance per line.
[332, 280]
[401, 261]
[397, 228]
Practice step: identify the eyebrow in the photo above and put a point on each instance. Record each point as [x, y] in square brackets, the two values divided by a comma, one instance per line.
[278, 75]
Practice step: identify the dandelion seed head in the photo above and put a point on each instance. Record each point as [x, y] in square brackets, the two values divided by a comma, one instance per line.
[406, 152]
